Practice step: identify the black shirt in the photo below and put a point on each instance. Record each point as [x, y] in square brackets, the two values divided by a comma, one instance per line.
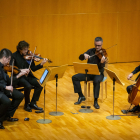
[21, 63]
[137, 69]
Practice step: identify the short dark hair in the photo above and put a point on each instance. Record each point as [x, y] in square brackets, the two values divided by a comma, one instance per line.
[5, 52]
[98, 39]
[21, 45]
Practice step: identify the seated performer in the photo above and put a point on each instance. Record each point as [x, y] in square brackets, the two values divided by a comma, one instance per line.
[8, 107]
[98, 42]
[29, 80]
[129, 88]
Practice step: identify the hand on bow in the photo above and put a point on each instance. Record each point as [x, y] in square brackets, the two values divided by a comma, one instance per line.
[9, 88]
[130, 76]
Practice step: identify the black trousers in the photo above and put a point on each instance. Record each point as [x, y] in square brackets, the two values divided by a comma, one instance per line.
[76, 79]
[27, 83]
[8, 107]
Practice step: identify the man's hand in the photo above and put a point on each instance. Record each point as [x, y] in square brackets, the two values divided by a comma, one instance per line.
[130, 76]
[103, 59]
[9, 88]
[44, 61]
[86, 56]
[23, 72]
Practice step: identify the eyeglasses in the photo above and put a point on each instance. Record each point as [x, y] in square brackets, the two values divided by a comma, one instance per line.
[98, 45]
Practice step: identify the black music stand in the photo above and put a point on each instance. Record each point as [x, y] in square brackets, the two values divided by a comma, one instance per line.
[85, 68]
[115, 78]
[57, 73]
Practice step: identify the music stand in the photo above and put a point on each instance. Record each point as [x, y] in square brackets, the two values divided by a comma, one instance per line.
[85, 68]
[44, 78]
[115, 78]
[57, 73]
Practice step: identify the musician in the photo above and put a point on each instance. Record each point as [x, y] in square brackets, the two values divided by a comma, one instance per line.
[129, 88]
[8, 107]
[29, 80]
[98, 42]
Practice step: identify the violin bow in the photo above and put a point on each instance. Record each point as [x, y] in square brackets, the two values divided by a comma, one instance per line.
[12, 75]
[105, 49]
[132, 80]
[32, 58]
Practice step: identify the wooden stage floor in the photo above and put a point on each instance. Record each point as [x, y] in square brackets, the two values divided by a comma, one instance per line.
[81, 126]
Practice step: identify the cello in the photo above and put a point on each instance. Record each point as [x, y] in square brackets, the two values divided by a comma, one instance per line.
[134, 95]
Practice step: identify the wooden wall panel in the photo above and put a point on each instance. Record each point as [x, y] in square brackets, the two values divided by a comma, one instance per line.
[129, 41]
[128, 5]
[8, 7]
[8, 30]
[63, 29]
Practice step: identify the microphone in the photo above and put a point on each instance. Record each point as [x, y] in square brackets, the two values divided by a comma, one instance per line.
[82, 57]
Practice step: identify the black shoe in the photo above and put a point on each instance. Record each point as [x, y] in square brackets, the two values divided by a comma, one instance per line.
[139, 116]
[12, 119]
[80, 99]
[27, 108]
[1, 125]
[134, 109]
[96, 105]
[34, 106]
[124, 111]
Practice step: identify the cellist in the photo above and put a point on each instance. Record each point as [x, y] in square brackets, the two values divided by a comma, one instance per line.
[129, 88]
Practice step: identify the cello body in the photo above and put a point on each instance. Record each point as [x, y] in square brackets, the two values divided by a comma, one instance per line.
[134, 96]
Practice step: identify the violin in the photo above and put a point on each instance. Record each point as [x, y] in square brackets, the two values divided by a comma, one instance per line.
[101, 53]
[35, 57]
[8, 68]
[134, 96]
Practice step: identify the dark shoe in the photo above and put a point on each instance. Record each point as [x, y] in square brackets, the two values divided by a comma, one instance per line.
[34, 106]
[80, 99]
[27, 108]
[139, 116]
[134, 109]
[96, 105]
[1, 125]
[124, 111]
[12, 119]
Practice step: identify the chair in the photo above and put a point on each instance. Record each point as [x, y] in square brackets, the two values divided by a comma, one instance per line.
[87, 86]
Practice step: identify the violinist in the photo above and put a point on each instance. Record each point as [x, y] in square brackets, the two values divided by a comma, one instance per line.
[129, 88]
[29, 80]
[98, 42]
[7, 106]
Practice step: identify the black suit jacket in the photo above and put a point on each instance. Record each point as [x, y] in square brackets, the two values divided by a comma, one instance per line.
[21, 63]
[137, 69]
[95, 59]
[5, 80]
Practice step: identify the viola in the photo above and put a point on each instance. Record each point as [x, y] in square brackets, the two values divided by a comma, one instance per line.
[35, 57]
[8, 68]
[134, 96]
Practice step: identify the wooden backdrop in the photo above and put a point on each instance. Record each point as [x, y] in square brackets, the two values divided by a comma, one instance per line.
[63, 29]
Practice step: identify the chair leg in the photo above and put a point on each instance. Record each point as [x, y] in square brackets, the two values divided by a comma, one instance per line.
[106, 88]
[102, 90]
[88, 89]
[85, 89]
